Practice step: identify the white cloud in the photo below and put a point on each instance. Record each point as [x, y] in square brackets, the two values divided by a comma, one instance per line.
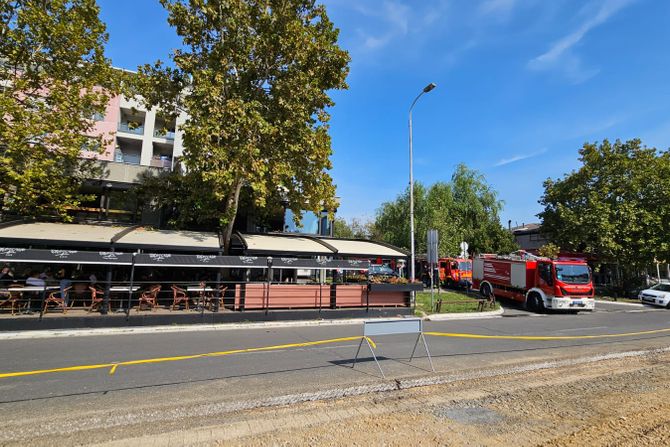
[515, 158]
[560, 56]
[372, 42]
[394, 15]
[497, 7]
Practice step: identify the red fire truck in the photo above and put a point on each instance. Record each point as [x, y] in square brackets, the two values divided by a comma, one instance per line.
[539, 283]
[455, 272]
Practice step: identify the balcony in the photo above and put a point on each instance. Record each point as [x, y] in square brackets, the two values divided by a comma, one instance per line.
[161, 162]
[131, 128]
[126, 172]
[169, 135]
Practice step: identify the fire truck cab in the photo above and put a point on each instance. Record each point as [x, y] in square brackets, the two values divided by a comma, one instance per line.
[539, 283]
[455, 272]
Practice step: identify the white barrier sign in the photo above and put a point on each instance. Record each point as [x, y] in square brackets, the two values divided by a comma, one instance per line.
[390, 327]
[374, 328]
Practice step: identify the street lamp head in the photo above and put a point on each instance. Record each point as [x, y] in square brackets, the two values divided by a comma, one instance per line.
[429, 87]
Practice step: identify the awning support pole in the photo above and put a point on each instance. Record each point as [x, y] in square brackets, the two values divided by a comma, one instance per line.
[130, 288]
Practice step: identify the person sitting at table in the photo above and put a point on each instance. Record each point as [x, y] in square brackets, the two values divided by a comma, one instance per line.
[65, 282]
[6, 276]
[47, 275]
[35, 280]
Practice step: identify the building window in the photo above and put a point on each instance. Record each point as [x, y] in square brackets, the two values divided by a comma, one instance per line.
[309, 223]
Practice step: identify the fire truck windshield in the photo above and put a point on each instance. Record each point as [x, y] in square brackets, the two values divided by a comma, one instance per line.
[573, 274]
[464, 266]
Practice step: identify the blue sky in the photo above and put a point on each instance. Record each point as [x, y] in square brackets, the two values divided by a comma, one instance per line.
[522, 84]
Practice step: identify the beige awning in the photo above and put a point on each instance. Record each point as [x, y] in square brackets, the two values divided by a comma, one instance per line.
[54, 233]
[129, 238]
[170, 239]
[100, 236]
[363, 248]
[277, 243]
[286, 244]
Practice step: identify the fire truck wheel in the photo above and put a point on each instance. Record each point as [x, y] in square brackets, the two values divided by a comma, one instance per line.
[534, 303]
[486, 291]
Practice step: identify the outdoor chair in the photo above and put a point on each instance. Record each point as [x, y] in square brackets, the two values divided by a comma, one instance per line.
[150, 297]
[58, 299]
[80, 291]
[179, 296]
[12, 299]
[211, 298]
[203, 294]
[97, 298]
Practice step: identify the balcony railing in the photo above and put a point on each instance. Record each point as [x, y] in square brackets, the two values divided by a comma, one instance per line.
[169, 135]
[164, 163]
[125, 127]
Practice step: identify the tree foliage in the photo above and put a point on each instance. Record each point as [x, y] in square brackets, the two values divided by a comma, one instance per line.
[253, 77]
[464, 209]
[616, 206]
[549, 250]
[53, 79]
[354, 229]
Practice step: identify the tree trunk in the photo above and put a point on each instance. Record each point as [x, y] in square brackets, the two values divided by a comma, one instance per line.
[231, 210]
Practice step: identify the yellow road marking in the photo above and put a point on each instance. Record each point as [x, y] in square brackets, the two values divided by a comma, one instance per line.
[544, 337]
[115, 365]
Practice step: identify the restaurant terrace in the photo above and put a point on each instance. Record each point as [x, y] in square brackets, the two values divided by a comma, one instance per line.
[64, 275]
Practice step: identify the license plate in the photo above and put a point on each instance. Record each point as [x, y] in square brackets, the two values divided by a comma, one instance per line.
[577, 303]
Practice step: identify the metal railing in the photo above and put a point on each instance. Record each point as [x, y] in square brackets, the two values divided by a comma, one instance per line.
[132, 297]
[168, 135]
[125, 127]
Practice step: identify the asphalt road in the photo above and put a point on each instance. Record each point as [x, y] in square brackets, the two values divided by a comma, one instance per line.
[260, 374]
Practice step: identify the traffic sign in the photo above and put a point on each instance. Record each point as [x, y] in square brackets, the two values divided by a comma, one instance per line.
[464, 249]
[432, 246]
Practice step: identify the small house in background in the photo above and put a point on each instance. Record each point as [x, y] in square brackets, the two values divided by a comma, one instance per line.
[528, 237]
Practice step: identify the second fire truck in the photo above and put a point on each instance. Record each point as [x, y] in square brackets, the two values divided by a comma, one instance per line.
[455, 272]
[539, 283]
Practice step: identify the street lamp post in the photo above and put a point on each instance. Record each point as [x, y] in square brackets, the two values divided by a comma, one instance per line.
[426, 89]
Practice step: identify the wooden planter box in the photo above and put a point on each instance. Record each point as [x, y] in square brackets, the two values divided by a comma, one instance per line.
[415, 287]
[350, 295]
[283, 296]
[392, 294]
[312, 296]
[396, 299]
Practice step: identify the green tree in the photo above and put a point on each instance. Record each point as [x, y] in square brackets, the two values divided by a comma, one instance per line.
[549, 250]
[53, 79]
[465, 209]
[615, 206]
[355, 229]
[342, 229]
[253, 77]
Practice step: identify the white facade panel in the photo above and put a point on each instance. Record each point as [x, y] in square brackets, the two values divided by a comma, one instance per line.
[518, 275]
[478, 269]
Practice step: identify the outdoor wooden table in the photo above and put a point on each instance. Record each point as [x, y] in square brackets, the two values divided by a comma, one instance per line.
[116, 289]
[122, 289]
[201, 290]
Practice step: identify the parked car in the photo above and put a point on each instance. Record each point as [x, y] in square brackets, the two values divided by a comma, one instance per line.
[658, 295]
[381, 270]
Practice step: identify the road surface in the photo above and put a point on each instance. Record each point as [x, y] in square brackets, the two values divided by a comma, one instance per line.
[49, 408]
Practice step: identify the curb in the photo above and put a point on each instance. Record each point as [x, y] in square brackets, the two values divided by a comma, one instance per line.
[620, 303]
[466, 315]
[64, 333]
